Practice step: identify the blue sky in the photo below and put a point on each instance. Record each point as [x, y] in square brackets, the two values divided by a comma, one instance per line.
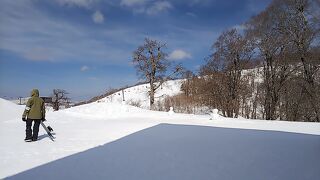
[85, 46]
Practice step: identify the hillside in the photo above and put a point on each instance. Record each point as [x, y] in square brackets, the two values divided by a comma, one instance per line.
[138, 95]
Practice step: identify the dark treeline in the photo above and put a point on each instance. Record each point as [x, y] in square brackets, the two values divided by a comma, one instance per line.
[267, 70]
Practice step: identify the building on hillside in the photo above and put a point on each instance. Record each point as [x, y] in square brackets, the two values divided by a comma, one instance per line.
[24, 100]
[47, 100]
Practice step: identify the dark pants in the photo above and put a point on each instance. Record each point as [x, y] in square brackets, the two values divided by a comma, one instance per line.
[29, 134]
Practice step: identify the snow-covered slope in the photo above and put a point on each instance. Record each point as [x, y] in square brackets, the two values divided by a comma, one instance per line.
[9, 109]
[139, 94]
[84, 127]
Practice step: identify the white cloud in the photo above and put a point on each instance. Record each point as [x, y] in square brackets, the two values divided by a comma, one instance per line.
[33, 35]
[199, 2]
[98, 17]
[131, 3]
[158, 7]
[149, 7]
[179, 54]
[191, 14]
[79, 3]
[84, 68]
[38, 54]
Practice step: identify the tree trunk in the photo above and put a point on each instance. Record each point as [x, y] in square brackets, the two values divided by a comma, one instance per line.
[151, 99]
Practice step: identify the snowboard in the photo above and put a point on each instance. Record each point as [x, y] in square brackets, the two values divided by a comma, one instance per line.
[48, 130]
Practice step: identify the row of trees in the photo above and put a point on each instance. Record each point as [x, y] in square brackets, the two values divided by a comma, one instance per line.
[283, 42]
[269, 69]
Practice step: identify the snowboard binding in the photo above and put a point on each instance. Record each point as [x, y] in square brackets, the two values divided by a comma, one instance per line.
[50, 128]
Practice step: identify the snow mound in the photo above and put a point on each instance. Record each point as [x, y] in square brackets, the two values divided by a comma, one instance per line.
[9, 110]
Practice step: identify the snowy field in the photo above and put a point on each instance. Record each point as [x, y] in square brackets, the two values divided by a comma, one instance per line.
[101, 125]
[98, 124]
[192, 152]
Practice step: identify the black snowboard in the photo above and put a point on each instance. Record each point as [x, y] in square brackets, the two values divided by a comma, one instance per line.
[48, 131]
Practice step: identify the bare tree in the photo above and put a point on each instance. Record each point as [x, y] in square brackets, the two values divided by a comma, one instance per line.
[59, 98]
[301, 24]
[186, 86]
[151, 64]
[232, 53]
[271, 46]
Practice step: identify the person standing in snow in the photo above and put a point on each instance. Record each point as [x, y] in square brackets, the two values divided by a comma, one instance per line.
[35, 112]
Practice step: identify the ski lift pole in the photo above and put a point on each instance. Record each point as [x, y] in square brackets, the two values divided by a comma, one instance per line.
[123, 95]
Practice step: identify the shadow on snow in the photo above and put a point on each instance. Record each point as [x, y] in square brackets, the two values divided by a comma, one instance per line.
[191, 152]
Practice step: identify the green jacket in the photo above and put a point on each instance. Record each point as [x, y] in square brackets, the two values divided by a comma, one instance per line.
[35, 108]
